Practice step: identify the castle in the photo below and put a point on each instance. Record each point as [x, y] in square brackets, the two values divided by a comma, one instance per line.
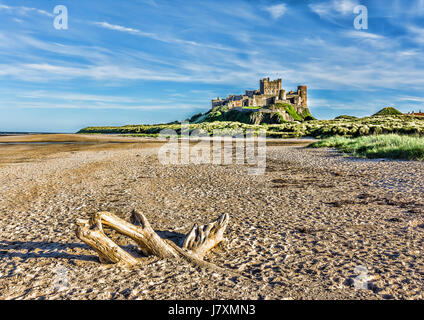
[270, 93]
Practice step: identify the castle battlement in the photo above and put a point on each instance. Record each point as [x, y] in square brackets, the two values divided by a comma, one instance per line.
[270, 92]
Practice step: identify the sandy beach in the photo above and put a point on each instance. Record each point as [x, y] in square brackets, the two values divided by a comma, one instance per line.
[314, 226]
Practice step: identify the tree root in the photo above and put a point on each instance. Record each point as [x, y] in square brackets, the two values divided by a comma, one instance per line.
[197, 243]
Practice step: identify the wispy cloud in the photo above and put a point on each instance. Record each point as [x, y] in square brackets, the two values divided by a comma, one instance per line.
[72, 96]
[160, 37]
[414, 99]
[416, 34]
[24, 10]
[47, 72]
[115, 27]
[276, 11]
[372, 39]
[334, 8]
[345, 66]
[364, 35]
[410, 53]
[86, 106]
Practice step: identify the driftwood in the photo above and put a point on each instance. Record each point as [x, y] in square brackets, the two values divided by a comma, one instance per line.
[197, 243]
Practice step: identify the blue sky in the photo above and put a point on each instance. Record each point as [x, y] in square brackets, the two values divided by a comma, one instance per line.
[152, 61]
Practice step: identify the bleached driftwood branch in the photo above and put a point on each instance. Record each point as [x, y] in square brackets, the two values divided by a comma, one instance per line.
[196, 245]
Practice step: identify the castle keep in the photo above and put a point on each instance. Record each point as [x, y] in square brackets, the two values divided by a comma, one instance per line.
[270, 92]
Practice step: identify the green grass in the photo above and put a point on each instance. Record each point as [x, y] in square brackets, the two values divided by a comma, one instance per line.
[290, 110]
[252, 108]
[390, 146]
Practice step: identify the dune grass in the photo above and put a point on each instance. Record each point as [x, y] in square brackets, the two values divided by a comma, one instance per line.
[352, 127]
[390, 146]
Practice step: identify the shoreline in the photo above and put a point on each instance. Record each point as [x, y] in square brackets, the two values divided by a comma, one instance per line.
[101, 137]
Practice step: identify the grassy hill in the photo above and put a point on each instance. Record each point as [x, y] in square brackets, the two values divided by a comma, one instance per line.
[389, 111]
[273, 114]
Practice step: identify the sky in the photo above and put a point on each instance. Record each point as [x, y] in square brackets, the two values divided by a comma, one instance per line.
[153, 61]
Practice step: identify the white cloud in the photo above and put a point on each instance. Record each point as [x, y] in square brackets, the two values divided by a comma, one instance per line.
[115, 27]
[85, 105]
[162, 38]
[364, 35]
[47, 72]
[276, 11]
[334, 8]
[71, 96]
[416, 34]
[373, 39]
[320, 9]
[414, 99]
[410, 53]
[345, 6]
[24, 10]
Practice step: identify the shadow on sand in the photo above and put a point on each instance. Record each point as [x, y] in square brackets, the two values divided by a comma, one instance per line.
[55, 250]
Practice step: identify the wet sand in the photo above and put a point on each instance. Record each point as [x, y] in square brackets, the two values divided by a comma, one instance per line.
[30, 148]
[303, 230]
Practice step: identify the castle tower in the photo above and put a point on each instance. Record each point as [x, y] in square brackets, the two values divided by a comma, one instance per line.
[302, 91]
[271, 88]
[263, 84]
[282, 95]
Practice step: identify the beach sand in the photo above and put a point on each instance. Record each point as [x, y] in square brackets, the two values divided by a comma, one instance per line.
[303, 230]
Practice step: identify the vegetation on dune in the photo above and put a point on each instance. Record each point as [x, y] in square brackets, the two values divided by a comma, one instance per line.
[345, 117]
[233, 115]
[307, 116]
[195, 117]
[380, 146]
[389, 111]
[405, 125]
[279, 121]
[386, 134]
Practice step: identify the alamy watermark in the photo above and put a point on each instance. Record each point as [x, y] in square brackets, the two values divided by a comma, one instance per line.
[61, 17]
[361, 21]
[361, 281]
[60, 280]
[223, 147]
